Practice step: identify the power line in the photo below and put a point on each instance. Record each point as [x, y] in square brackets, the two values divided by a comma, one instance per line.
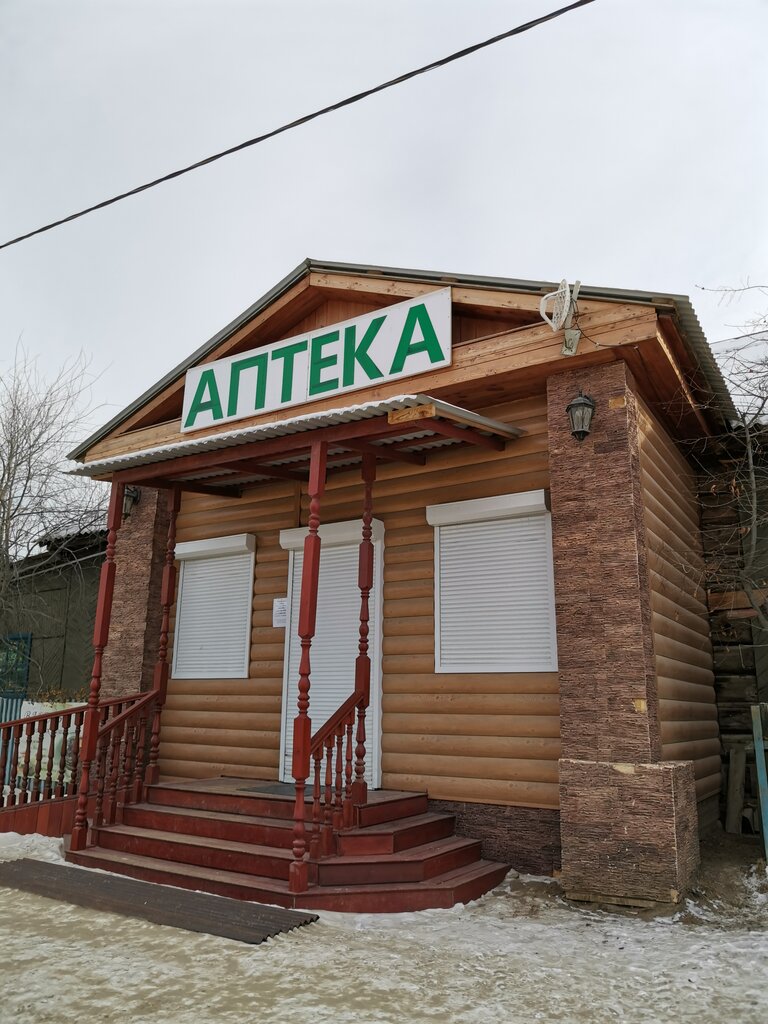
[303, 120]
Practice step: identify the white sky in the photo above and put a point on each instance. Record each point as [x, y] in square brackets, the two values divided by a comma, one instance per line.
[624, 144]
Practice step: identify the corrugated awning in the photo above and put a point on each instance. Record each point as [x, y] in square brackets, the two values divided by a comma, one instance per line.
[403, 428]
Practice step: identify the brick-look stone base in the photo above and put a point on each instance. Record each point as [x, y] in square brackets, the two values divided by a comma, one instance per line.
[134, 630]
[526, 838]
[629, 831]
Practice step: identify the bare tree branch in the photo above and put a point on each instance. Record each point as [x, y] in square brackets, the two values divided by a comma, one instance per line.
[41, 506]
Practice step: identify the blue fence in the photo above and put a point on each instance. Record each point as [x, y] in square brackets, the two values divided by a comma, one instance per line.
[10, 708]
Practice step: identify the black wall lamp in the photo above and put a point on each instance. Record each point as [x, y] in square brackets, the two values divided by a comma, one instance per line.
[131, 496]
[580, 412]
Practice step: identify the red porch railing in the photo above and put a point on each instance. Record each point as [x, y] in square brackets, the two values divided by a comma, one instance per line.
[123, 758]
[334, 797]
[40, 755]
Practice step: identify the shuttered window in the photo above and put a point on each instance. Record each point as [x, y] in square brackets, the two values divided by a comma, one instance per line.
[213, 611]
[494, 599]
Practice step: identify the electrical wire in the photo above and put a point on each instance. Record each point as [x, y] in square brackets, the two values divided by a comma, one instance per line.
[518, 30]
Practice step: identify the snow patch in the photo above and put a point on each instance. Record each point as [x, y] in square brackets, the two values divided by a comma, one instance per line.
[16, 847]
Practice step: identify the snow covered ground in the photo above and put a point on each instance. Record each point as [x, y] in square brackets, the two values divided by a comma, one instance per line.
[520, 954]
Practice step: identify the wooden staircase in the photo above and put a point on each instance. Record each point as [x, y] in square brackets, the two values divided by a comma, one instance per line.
[233, 837]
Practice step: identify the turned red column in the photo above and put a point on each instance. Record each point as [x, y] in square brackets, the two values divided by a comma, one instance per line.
[363, 661]
[100, 638]
[167, 594]
[302, 724]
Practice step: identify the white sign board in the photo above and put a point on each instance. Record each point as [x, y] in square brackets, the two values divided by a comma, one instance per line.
[398, 341]
[279, 613]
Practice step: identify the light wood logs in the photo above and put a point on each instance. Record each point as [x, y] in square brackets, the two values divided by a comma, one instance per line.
[685, 678]
[480, 722]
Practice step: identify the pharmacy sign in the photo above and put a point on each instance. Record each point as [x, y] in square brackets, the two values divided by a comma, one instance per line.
[398, 341]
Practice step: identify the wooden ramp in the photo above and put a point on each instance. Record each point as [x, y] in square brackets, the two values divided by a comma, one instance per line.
[161, 904]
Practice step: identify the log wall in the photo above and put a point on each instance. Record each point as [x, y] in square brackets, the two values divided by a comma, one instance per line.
[489, 738]
[681, 632]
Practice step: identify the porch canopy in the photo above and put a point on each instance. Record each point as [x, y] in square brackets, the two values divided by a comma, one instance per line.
[400, 429]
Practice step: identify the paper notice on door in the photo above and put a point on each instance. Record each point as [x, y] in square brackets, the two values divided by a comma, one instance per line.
[280, 613]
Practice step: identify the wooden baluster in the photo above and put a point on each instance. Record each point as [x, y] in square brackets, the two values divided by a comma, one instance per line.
[34, 793]
[326, 844]
[5, 747]
[29, 730]
[123, 753]
[125, 776]
[348, 804]
[74, 767]
[100, 637]
[59, 787]
[47, 787]
[167, 595]
[13, 764]
[314, 841]
[363, 662]
[141, 756]
[302, 724]
[100, 762]
[360, 786]
[153, 768]
[338, 812]
[113, 771]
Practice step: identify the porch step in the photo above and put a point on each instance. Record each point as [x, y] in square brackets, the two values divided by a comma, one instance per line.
[393, 836]
[232, 838]
[386, 837]
[383, 806]
[458, 886]
[415, 864]
[263, 806]
[221, 854]
[243, 828]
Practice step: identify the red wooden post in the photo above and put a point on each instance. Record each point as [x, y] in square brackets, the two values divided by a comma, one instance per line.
[302, 724]
[100, 638]
[167, 595]
[363, 662]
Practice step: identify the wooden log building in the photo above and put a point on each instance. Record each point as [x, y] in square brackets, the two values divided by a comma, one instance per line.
[383, 606]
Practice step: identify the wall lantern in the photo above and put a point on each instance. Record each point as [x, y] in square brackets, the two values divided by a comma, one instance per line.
[131, 497]
[580, 412]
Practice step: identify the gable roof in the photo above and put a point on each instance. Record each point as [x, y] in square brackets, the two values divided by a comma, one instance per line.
[678, 306]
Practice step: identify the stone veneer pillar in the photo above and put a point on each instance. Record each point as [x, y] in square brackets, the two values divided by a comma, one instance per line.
[628, 821]
[134, 634]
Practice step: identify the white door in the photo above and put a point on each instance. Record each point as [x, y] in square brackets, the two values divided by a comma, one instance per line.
[335, 644]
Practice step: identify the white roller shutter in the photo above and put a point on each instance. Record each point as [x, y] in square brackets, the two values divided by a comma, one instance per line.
[334, 647]
[213, 617]
[494, 596]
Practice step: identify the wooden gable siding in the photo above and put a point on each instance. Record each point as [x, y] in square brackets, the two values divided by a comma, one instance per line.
[490, 738]
[505, 359]
[681, 634]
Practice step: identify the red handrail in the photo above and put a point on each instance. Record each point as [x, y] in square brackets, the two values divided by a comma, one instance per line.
[139, 702]
[328, 727]
[71, 710]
